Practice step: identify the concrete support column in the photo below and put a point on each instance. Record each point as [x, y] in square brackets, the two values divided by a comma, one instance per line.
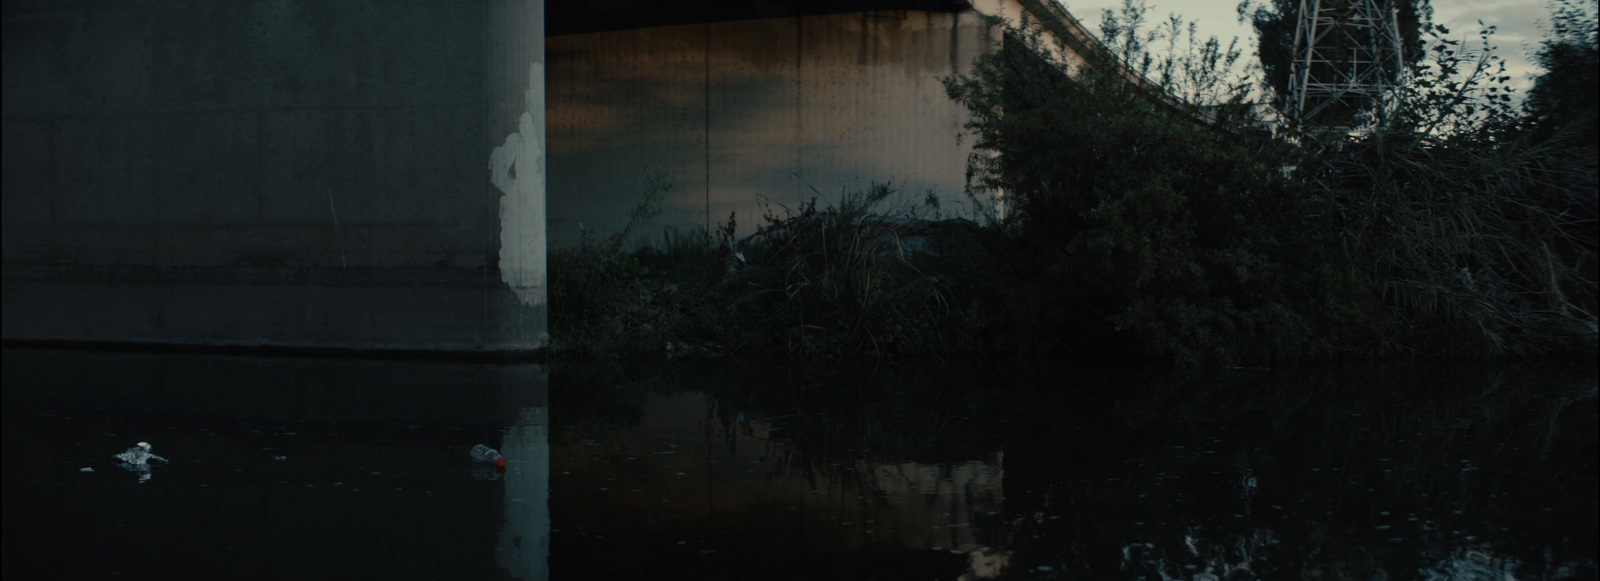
[516, 132]
[286, 173]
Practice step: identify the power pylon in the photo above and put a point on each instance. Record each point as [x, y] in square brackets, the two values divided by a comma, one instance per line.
[1348, 59]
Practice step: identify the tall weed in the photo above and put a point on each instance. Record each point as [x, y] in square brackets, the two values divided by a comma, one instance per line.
[840, 279]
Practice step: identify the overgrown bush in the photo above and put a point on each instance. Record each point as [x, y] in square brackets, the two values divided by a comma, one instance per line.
[597, 291]
[1153, 231]
[840, 279]
[1174, 230]
[1474, 236]
[592, 291]
[820, 279]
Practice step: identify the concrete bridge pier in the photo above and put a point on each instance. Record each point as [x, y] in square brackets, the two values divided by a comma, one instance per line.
[279, 173]
[517, 165]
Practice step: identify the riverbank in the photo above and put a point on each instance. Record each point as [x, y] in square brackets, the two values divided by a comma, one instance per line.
[875, 275]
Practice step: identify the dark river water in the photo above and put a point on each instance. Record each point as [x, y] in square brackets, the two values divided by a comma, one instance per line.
[328, 468]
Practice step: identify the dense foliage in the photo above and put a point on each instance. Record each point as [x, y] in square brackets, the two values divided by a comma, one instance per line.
[1150, 215]
[1185, 235]
[1567, 96]
[1469, 217]
[820, 279]
[1147, 226]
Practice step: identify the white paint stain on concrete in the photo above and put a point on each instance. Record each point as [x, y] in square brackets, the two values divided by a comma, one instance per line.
[517, 169]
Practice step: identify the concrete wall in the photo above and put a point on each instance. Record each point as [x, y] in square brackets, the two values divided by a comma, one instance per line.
[273, 172]
[737, 112]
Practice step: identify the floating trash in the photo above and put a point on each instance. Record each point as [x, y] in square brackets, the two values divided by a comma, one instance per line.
[485, 455]
[139, 455]
[138, 459]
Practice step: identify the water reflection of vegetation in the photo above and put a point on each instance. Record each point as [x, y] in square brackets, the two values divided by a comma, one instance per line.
[1408, 470]
[1346, 472]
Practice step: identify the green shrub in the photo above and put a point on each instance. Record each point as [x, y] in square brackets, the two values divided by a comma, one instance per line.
[591, 294]
[1169, 236]
[841, 280]
[1176, 232]
[1474, 237]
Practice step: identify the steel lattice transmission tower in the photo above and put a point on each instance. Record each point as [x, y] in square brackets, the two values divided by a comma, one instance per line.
[1348, 60]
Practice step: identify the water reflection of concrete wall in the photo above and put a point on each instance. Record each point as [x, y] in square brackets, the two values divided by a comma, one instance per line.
[737, 111]
[524, 548]
[310, 389]
[681, 468]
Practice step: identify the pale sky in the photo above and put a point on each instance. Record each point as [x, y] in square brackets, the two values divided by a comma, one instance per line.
[1518, 22]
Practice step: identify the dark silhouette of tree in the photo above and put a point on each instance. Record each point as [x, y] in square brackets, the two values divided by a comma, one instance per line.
[1567, 95]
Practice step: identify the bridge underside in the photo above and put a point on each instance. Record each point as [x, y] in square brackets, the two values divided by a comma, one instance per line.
[566, 18]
